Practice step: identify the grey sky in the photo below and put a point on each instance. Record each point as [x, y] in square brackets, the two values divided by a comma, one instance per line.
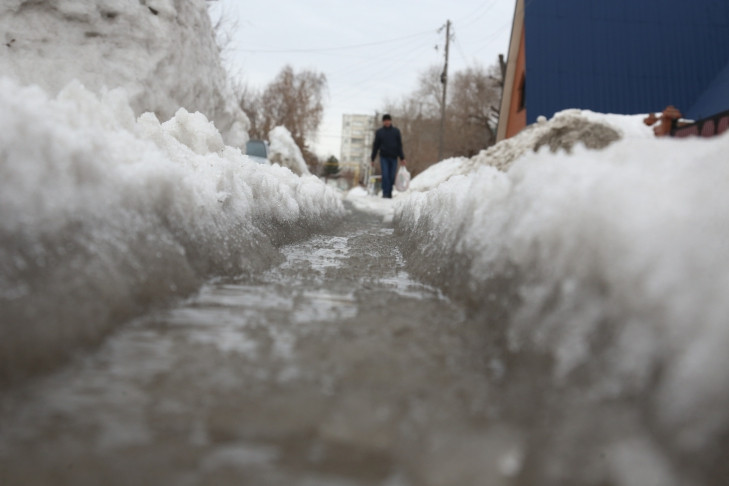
[319, 34]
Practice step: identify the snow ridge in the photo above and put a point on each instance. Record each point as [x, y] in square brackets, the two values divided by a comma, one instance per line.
[162, 52]
[608, 272]
[102, 216]
[565, 130]
[285, 152]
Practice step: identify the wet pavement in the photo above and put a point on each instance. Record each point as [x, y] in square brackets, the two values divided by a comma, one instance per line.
[333, 368]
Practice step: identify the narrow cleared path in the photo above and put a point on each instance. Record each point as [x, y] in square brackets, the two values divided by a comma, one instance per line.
[334, 368]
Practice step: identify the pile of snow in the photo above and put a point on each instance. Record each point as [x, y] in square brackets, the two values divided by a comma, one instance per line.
[284, 151]
[102, 215]
[163, 52]
[565, 130]
[362, 201]
[438, 173]
[602, 276]
[358, 192]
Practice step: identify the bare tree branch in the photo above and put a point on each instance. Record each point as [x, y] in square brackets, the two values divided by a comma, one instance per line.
[294, 100]
[471, 120]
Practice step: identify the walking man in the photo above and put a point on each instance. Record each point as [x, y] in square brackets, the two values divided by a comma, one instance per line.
[388, 142]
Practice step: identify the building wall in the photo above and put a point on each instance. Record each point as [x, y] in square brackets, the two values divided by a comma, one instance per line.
[622, 56]
[516, 51]
[357, 137]
[517, 108]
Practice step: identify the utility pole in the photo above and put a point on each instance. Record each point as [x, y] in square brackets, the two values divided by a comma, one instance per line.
[444, 81]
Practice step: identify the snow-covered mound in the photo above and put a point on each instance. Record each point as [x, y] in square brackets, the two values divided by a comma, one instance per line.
[375, 205]
[565, 130]
[438, 173]
[285, 152]
[102, 215]
[603, 276]
[162, 52]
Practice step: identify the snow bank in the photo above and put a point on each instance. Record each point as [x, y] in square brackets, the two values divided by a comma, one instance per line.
[565, 130]
[285, 152]
[102, 215]
[604, 276]
[438, 173]
[163, 52]
[377, 206]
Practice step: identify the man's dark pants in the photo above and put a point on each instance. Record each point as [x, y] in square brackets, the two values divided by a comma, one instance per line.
[389, 167]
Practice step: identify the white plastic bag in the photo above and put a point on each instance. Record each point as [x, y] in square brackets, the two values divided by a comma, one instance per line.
[402, 181]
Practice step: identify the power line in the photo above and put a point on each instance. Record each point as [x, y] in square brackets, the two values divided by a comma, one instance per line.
[401, 66]
[330, 49]
[492, 38]
[393, 62]
[460, 50]
[481, 15]
[395, 54]
[386, 67]
[477, 11]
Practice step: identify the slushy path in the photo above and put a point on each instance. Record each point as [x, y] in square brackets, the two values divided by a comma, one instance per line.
[334, 368]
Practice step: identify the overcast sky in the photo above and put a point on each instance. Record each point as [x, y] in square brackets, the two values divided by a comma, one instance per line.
[370, 51]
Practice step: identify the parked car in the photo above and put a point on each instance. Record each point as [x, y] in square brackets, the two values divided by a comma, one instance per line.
[258, 151]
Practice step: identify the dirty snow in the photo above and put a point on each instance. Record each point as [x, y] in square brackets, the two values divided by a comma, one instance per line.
[563, 131]
[376, 205]
[612, 267]
[102, 215]
[438, 173]
[162, 52]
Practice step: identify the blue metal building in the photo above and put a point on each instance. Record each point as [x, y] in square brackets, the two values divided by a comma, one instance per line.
[626, 56]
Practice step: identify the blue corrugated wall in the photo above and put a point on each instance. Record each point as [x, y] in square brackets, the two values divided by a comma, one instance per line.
[713, 100]
[622, 56]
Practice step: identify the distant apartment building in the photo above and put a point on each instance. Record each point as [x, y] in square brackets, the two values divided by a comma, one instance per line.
[357, 134]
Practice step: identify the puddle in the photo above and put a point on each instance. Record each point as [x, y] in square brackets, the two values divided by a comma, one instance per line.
[308, 374]
[319, 254]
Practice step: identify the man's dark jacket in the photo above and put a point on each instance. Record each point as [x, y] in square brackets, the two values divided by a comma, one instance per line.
[389, 142]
